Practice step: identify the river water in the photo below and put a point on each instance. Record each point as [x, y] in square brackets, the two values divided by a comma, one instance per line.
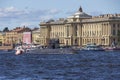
[86, 65]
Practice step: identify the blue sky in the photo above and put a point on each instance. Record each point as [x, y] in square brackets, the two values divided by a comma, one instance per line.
[15, 13]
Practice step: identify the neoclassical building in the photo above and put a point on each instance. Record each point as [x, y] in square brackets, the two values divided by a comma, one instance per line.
[80, 29]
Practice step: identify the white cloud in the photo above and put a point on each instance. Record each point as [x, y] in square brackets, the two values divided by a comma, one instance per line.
[2, 14]
[11, 12]
[54, 11]
[25, 24]
[10, 9]
[95, 13]
[47, 17]
[14, 13]
[13, 16]
[70, 12]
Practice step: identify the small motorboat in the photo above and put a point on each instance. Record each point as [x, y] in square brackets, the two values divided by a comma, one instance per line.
[19, 50]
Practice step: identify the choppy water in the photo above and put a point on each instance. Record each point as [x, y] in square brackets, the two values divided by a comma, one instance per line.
[82, 66]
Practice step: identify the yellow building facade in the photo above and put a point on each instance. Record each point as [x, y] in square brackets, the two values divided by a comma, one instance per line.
[1, 38]
[80, 29]
[15, 36]
[35, 36]
[11, 37]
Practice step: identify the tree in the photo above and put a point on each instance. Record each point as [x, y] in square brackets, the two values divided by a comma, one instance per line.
[5, 29]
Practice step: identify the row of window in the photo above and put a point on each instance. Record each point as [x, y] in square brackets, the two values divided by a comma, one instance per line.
[57, 28]
[117, 33]
[92, 33]
[42, 41]
[91, 26]
[99, 41]
[57, 34]
[116, 25]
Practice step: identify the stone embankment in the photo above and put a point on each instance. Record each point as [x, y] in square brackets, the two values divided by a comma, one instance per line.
[6, 47]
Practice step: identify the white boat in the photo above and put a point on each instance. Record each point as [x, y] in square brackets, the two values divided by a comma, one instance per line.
[19, 50]
[93, 47]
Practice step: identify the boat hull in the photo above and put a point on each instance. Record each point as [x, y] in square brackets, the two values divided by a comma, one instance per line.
[110, 48]
[93, 49]
[52, 51]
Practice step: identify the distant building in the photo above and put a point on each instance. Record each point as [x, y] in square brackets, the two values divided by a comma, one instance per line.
[81, 29]
[2, 38]
[35, 36]
[27, 37]
[15, 36]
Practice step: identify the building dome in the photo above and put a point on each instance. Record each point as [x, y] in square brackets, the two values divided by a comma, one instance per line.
[80, 14]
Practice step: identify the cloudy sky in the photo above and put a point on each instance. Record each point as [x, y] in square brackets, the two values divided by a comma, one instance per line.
[14, 13]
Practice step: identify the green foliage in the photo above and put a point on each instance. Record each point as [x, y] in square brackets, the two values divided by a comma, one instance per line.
[5, 29]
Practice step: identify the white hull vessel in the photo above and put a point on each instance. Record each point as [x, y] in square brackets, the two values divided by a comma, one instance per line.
[92, 47]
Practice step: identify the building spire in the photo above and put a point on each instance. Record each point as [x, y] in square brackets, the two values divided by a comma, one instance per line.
[80, 9]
